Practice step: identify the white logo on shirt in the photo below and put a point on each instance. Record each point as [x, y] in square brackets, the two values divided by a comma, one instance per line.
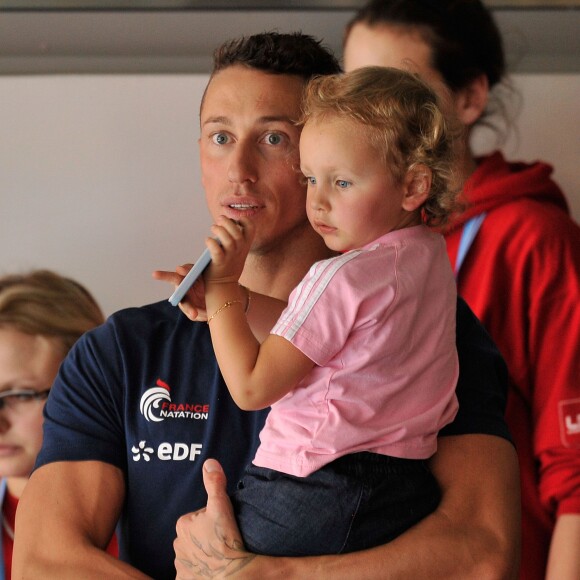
[167, 451]
[140, 451]
[572, 426]
[156, 405]
[569, 412]
[151, 400]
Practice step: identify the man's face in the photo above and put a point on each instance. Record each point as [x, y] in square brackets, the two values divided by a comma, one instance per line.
[249, 152]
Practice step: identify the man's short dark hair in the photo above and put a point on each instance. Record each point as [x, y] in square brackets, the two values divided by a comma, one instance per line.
[293, 54]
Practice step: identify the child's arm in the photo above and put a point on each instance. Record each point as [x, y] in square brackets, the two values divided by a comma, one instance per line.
[262, 311]
[256, 376]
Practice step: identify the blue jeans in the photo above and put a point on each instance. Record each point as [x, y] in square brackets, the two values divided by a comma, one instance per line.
[356, 502]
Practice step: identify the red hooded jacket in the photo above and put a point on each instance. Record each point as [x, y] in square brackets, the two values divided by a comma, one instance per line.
[521, 277]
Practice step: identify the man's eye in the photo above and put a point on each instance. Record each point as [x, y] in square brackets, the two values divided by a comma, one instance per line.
[273, 138]
[220, 138]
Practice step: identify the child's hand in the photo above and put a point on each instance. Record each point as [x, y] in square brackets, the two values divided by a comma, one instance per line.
[193, 303]
[228, 256]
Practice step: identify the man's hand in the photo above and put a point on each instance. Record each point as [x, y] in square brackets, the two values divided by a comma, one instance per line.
[193, 303]
[209, 543]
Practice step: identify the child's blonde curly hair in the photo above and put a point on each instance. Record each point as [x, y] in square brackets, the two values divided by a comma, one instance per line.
[405, 122]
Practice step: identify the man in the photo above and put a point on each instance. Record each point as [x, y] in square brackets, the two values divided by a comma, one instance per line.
[127, 429]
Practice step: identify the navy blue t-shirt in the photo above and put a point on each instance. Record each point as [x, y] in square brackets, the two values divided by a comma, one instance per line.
[143, 392]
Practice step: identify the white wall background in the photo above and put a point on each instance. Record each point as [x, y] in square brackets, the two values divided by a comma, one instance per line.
[99, 175]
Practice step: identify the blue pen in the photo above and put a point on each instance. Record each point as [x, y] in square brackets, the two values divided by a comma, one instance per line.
[200, 265]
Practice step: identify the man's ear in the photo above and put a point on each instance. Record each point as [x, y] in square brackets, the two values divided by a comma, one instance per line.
[417, 185]
[471, 100]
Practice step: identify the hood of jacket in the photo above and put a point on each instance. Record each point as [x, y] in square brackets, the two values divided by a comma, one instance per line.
[497, 182]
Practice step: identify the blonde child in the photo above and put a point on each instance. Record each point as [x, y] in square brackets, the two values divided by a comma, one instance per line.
[360, 369]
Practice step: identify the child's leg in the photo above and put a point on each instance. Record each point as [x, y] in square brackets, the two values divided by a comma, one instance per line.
[356, 502]
[398, 493]
[283, 515]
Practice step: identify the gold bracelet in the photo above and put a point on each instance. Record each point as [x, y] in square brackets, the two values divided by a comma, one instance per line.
[223, 307]
[248, 297]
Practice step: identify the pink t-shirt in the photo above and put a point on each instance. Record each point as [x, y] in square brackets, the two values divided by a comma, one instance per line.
[379, 323]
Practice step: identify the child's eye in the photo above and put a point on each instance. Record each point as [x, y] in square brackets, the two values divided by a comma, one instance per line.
[311, 180]
[343, 183]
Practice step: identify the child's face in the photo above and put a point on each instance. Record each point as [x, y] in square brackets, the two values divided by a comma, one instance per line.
[352, 198]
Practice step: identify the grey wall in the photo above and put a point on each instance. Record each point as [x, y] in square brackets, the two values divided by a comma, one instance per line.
[99, 175]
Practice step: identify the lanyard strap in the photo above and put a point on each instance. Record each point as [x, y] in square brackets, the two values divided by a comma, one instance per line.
[468, 234]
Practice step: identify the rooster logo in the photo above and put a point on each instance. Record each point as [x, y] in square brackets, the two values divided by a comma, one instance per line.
[152, 398]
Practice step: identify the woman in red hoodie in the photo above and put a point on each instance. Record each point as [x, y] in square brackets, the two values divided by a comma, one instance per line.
[516, 254]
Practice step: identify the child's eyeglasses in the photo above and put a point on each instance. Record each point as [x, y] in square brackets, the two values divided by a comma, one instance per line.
[17, 399]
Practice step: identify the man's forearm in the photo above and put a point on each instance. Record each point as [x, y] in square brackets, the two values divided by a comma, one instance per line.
[64, 523]
[564, 561]
[86, 563]
[474, 533]
[434, 549]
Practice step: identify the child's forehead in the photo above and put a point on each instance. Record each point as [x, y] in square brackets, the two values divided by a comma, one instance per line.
[322, 120]
[341, 142]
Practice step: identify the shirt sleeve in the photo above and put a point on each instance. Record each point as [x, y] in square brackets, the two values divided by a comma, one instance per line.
[325, 307]
[553, 280]
[482, 383]
[82, 416]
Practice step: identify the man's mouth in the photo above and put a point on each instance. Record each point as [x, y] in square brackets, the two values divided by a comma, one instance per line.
[242, 206]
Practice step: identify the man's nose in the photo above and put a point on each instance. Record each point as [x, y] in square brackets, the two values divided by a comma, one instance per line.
[243, 166]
